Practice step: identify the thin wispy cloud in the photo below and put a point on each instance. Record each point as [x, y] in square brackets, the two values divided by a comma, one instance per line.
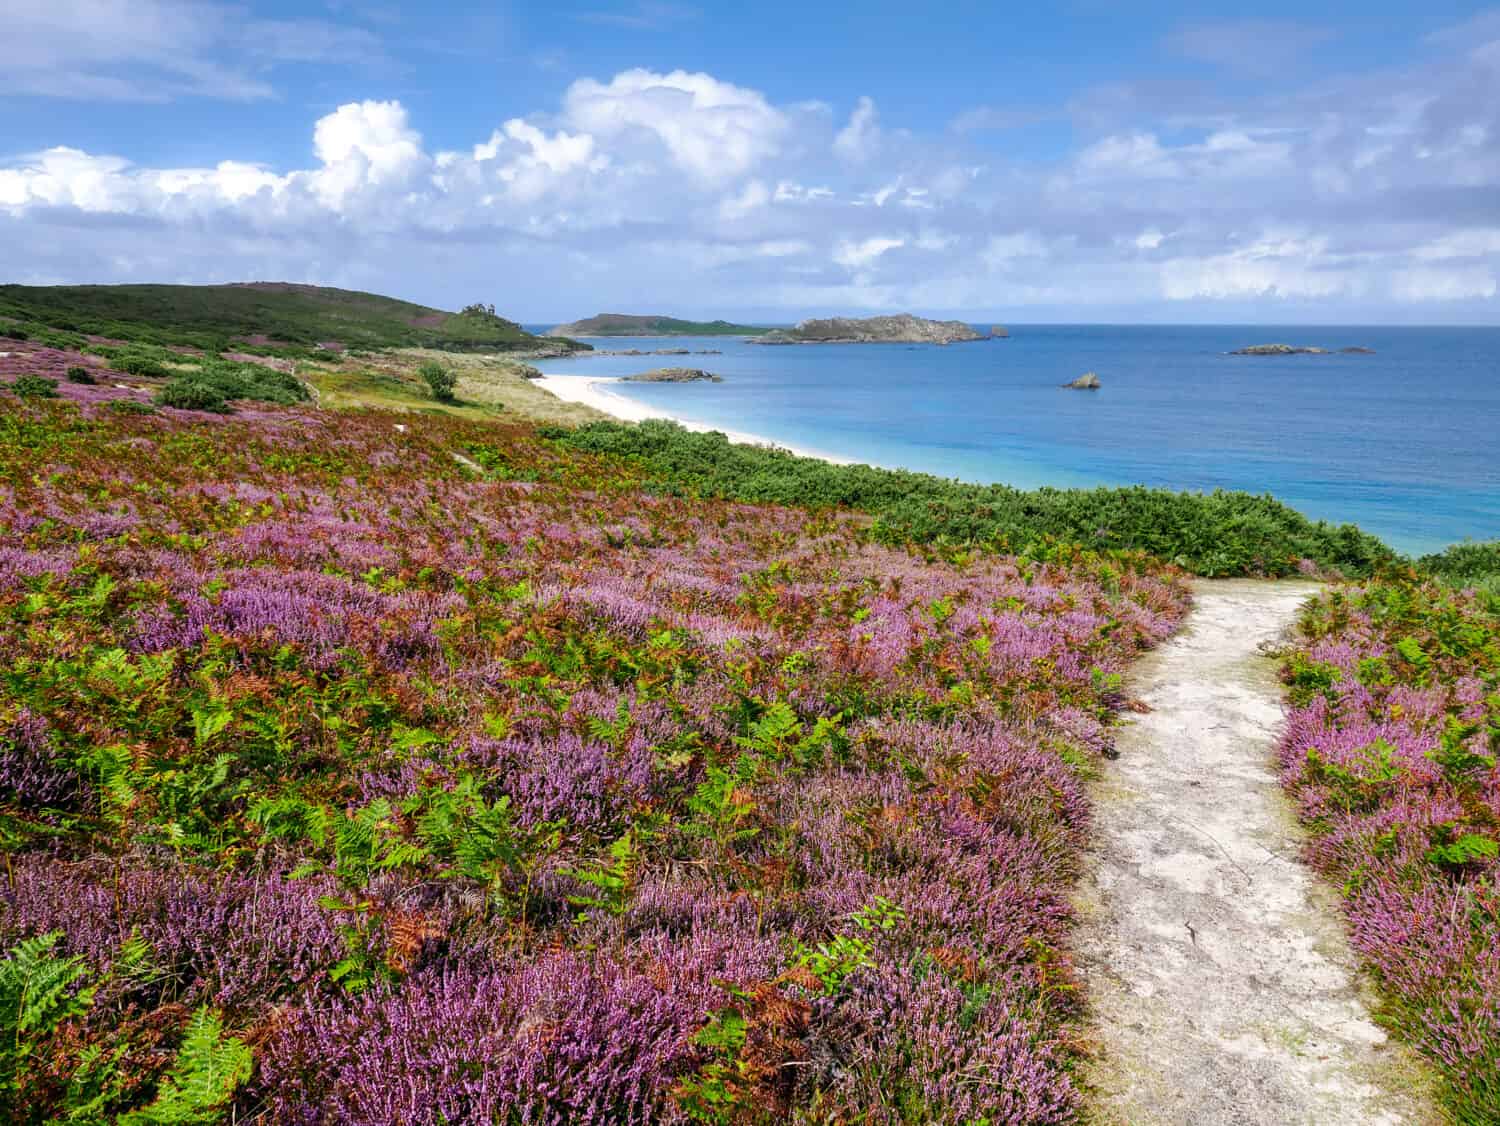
[641, 17]
[994, 119]
[162, 50]
[1256, 47]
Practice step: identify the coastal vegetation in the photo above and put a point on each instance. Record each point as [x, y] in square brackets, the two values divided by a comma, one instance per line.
[1220, 533]
[404, 768]
[382, 740]
[1466, 565]
[629, 324]
[1391, 753]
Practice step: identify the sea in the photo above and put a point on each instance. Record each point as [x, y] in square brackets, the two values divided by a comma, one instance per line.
[1404, 442]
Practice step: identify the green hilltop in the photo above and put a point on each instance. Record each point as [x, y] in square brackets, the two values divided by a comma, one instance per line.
[264, 314]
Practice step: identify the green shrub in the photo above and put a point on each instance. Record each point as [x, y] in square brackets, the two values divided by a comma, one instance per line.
[191, 395]
[440, 380]
[237, 380]
[130, 406]
[34, 387]
[1466, 564]
[15, 333]
[1219, 533]
[78, 374]
[132, 363]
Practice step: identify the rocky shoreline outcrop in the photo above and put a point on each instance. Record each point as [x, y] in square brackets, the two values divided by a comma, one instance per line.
[902, 328]
[654, 352]
[674, 375]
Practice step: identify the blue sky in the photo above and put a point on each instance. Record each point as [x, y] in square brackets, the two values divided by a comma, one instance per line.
[1080, 160]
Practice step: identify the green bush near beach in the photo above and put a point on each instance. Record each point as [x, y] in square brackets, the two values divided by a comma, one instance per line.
[1219, 533]
[1466, 565]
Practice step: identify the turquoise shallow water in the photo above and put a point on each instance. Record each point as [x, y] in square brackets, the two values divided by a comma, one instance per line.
[1405, 442]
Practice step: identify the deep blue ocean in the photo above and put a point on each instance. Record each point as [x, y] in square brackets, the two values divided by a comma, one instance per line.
[1405, 442]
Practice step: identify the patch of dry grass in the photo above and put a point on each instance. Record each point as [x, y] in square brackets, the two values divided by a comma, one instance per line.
[488, 386]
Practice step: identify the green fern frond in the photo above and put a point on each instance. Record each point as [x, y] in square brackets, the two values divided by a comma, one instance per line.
[209, 1068]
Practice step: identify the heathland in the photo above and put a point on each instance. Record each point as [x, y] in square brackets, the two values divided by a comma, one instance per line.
[381, 741]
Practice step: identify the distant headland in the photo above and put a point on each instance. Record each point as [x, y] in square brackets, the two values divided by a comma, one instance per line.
[903, 328]
[630, 324]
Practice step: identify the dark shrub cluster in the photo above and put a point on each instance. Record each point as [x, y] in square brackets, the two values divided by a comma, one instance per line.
[192, 395]
[34, 387]
[1467, 564]
[440, 380]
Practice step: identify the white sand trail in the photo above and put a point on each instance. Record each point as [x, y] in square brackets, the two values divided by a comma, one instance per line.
[1223, 989]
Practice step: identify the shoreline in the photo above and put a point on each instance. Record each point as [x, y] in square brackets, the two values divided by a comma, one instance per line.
[587, 390]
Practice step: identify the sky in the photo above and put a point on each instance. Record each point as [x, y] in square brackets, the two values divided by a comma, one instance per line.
[1081, 160]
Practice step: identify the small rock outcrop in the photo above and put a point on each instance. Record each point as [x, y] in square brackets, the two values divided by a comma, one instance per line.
[1357, 351]
[999, 332]
[674, 375]
[1088, 381]
[1279, 350]
[903, 328]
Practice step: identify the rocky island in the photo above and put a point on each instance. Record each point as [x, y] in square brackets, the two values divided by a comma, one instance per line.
[631, 324]
[903, 328]
[674, 375]
[1088, 381]
[1297, 350]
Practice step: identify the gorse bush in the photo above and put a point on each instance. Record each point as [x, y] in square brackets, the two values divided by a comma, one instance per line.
[129, 406]
[136, 363]
[190, 394]
[34, 387]
[440, 380]
[254, 382]
[1475, 565]
[1221, 533]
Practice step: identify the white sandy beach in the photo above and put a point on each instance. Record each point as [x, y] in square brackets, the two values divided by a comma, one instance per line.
[593, 391]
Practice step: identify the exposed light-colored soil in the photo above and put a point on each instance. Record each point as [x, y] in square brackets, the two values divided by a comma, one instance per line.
[1224, 990]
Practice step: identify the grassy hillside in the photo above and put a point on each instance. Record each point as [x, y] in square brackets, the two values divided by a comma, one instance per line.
[262, 313]
[628, 324]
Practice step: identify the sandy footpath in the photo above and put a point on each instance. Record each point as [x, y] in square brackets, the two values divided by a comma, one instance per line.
[1222, 985]
[594, 391]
